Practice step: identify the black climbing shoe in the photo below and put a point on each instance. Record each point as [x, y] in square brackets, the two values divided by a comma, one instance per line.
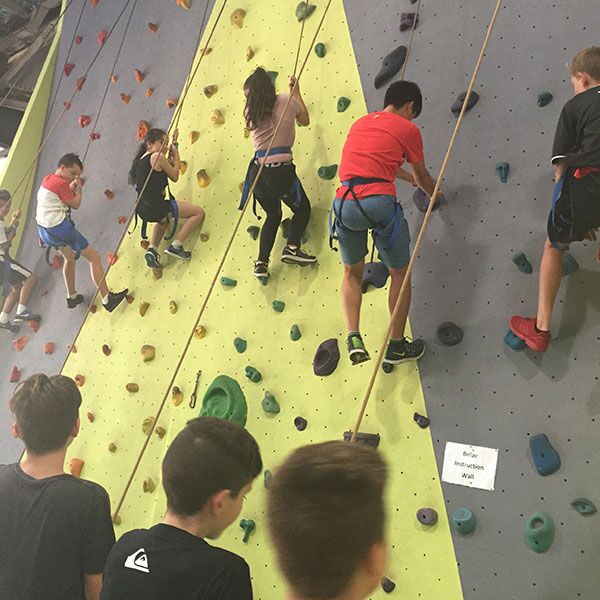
[114, 299]
[73, 302]
[27, 316]
[152, 258]
[403, 350]
[261, 269]
[356, 349]
[9, 327]
[297, 256]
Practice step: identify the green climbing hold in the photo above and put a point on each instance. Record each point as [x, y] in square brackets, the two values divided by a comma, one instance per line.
[320, 50]
[270, 404]
[268, 476]
[464, 521]
[253, 230]
[304, 10]
[539, 532]
[248, 525]
[327, 171]
[253, 374]
[278, 305]
[273, 76]
[224, 399]
[240, 345]
[228, 282]
[584, 506]
[295, 333]
[343, 103]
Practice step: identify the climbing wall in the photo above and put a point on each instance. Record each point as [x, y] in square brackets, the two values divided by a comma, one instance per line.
[481, 392]
[165, 59]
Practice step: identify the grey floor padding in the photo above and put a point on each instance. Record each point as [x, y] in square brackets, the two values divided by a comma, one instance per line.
[481, 392]
[165, 58]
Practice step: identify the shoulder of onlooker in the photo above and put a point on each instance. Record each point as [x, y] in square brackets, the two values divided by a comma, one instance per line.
[88, 489]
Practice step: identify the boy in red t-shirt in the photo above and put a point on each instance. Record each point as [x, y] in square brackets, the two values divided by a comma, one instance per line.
[377, 146]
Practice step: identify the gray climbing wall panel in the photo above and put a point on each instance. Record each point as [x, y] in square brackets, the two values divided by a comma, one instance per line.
[165, 60]
[481, 392]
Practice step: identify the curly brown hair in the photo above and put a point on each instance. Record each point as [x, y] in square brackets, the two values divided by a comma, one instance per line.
[260, 98]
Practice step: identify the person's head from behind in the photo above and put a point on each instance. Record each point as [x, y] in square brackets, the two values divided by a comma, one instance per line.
[69, 167]
[207, 471]
[46, 412]
[404, 98]
[585, 69]
[326, 518]
[260, 98]
[5, 202]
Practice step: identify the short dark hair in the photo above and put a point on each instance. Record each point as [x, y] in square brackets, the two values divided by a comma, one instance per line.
[325, 511]
[401, 92]
[45, 409]
[208, 456]
[70, 159]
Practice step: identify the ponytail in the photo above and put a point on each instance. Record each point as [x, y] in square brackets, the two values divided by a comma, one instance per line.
[154, 135]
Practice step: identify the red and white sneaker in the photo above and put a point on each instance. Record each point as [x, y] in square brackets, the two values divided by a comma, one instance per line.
[525, 329]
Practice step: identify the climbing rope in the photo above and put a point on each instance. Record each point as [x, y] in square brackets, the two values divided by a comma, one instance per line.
[299, 42]
[217, 273]
[434, 196]
[410, 39]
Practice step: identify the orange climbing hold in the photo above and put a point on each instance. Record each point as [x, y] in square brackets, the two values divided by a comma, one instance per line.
[90, 417]
[125, 98]
[203, 178]
[57, 262]
[237, 17]
[142, 131]
[94, 2]
[114, 78]
[79, 83]
[194, 135]
[75, 467]
[79, 379]
[149, 92]
[138, 75]
[15, 375]
[93, 308]
[109, 194]
[111, 258]
[130, 299]
[217, 117]
[153, 27]
[34, 326]
[72, 348]
[145, 244]
[94, 136]
[78, 40]
[102, 37]
[84, 120]
[121, 219]
[20, 343]
[49, 348]
[172, 102]
[185, 4]
[68, 68]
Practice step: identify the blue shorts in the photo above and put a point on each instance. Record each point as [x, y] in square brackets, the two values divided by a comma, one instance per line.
[63, 234]
[353, 234]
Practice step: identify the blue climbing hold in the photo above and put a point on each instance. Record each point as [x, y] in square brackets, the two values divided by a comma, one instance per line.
[544, 98]
[569, 264]
[522, 263]
[545, 457]
[514, 342]
[503, 169]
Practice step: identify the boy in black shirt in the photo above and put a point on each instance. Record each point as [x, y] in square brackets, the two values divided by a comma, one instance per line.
[575, 214]
[206, 473]
[55, 529]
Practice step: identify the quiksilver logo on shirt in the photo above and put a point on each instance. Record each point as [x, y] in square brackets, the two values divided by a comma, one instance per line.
[138, 561]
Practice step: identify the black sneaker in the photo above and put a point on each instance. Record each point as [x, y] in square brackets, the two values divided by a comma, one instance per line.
[114, 299]
[179, 253]
[27, 316]
[73, 302]
[401, 351]
[297, 256]
[9, 327]
[152, 258]
[261, 269]
[356, 349]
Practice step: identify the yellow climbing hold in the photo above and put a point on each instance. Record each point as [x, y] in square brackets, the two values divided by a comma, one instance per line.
[148, 352]
[112, 447]
[194, 135]
[160, 431]
[210, 90]
[203, 178]
[117, 520]
[144, 306]
[237, 17]
[182, 167]
[200, 332]
[176, 396]
[149, 486]
[147, 425]
[217, 117]
[249, 54]
[172, 307]
[132, 388]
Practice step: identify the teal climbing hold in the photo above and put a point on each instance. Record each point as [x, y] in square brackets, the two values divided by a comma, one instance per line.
[264, 280]
[320, 50]
[228, 282]
[248, 525]
[273, 76]
[569, 264]
[270, 405]
[584, 506]
[304, 10]
[268, 476]
[464, 521]
[343, 103]
[539, 532]
[327, 171]
[278, 305]
[240, 345]
[253, 230]
[502, 170]
[225, 399]
[514, 342]
[295, 333]
[522, 263]
[253, 374]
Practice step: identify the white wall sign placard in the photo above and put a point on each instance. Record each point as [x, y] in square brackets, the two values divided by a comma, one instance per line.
[473, 466]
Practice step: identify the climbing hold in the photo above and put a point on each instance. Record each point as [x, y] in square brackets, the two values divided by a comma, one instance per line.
[210, 90]
[522, 263]
[78, 39]
[67, 105]
[408, 20]
[176, 396]
[172, 307]
[112, 447]
[193, 135]
[57, 262]
[132, 388]
[144, 307]
[34, 326]
[125, 98]
[111, 258]
[114, 78]
[392, 63]
[268, 477]
[514, 342]
[545, 457]
[172, 102]
[142, 130]
[217, 117]
[464, 521]
[544, 98]
[149, 92]
[205, 50]
[327, 171]
[102, 36]
[320, 50]
[20, 343]
[94, 136]
[148, 352]
[539, 532]
[182, 167]
[157, 273]
[79, 380]
[129, 299]
[248, 525]
[145, 244]
[272, 76]
[84, 120]
[202, 178]
[93, 309]
[240, 345]
[15, 375]
[228, 282]
[269, 404]
[153, 27]
[375, 274]
[326, 357]
[387, 585]
[368, 439]
[79, 84]
[148, 485]
[427, 516]
[343, 103]
[185, 4]
[200, 332]
[569, 264]
[502, 170]
[237, 17]
[49, 348]
[109, 194]
[160, 431]
[300, 423]
[75, 467]
[106, 349]
[138, 75]
[90, 417]
[147, 425]
[584, 506]
[117, 520]
[253, 230]
[421, 421]
[295, 333]
[249, 54]
[458, 104]
[304, 10]
[278, 305]
[68, 68]
[449, 334]
[225, 399]
[253, 374]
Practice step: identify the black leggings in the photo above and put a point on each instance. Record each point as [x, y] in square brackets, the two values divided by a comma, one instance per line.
[276, 184]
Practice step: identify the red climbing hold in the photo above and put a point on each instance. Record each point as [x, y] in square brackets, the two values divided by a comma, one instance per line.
[57, 262]
[138, 75]
[94, 136]
[109, 194]
[20, 343]
[143, 129]
[15, 375]
[67, 105]
[153, 27]
[172, 102]
[49, 348]
[84, 120]
[34, 326]
[68, 68]
[79, 83]
[102, 37]
[121, 219]
[78, 40]
[149, 92]
[111, 258]
[94, 2]
[125, 98]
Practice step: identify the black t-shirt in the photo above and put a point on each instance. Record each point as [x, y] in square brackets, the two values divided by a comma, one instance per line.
[167, 563]
[155, 188]
[577, 138]
[52, 531]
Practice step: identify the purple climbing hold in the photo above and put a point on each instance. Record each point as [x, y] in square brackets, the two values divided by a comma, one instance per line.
[375, 274]
[427, 516]
[473, 100]
[421, 421]
[392, 63]
[408, 20]
[326, 357]
[300, 423]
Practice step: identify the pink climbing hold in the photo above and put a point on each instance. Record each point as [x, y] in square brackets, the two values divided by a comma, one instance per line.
[15, 375]
[68, 68]
[78, 40]
[49, 348]
[102, 37]
[67, 105]
[84, 120]
[121, 220]
[34, 326]
[94, 2]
